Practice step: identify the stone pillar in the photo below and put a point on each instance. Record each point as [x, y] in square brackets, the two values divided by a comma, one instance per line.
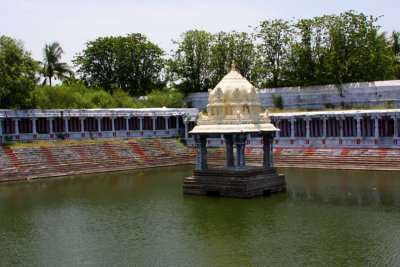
[113, 124]
[240, 140]
[127, 123]
[201, 155]
[16, 126]
[82, 124]
[292, 120]
[1, 126]
[98, 124]
[376, 132]
[154, 119]
[66, 127]
[50, 125]
[34, 131]
[358, 121]
[229, 150]
[324, 119]
[140, 123]
[278, 133]
[177, 122]
[271, 150]
[186, 129]
[395, 127]
[307, 119]
[166, 124]
[266, 151]
[340, 126]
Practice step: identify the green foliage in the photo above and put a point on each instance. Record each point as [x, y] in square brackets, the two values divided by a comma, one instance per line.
[17, 74]
[78, 96]
[232, 46]
[275, 37]
[396, 50]
[332, 49]
[131, 63]
[191, 62]
[356, 51]
[203, 59]
[278, 101]
[329, 106]
[396, 42]
[51, 66]
[340, 49]
[122, 99]
[169, 98]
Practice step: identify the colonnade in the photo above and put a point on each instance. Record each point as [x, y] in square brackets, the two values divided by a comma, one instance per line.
[341, 126]
[361, 128]
[25, 128]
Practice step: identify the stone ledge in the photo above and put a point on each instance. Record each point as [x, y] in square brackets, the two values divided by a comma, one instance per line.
[247, 183]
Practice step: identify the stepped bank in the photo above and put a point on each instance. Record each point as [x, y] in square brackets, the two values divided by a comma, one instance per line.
[52, 159]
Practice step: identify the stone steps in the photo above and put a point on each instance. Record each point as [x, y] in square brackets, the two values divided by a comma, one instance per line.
[384, 159]
[34, 162]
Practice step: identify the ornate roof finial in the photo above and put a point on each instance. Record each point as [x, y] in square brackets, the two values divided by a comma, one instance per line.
[233, 65]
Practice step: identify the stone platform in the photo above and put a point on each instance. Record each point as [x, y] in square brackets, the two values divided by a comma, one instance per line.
[230, 182]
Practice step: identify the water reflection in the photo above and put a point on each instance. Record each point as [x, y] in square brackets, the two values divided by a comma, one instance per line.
[343, 187]
[332, 218]
[231, 232]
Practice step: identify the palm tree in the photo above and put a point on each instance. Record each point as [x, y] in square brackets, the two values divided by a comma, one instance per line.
[52, 67]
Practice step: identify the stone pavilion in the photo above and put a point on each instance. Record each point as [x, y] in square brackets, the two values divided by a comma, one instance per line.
[233, 110]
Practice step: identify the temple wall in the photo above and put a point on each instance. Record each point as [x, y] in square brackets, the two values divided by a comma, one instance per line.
[367, 94]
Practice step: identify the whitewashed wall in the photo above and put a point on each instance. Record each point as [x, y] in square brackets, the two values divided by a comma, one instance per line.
[368, 94]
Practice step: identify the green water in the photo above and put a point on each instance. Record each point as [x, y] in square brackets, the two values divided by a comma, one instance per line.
[141, 218]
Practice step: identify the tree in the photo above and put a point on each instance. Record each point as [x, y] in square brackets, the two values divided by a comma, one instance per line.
[339, 49]
[52, 67]
[17, 74]
[308, 53]
[356, 51]
[396, 50]
[191, 63]
[396, 43]
[131, 63]
[232, 46]
[274, 39]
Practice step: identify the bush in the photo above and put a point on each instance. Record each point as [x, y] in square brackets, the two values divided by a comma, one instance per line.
[278, 102]
[329, 106]
[122, 99]
[169, 97]
[78, 96]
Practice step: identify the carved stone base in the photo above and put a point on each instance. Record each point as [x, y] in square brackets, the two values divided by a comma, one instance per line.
[229, 182]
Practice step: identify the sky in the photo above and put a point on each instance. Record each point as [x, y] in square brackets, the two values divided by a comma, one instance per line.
[74, 22]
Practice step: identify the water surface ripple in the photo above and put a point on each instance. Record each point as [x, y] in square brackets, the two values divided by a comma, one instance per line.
[141, 218]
